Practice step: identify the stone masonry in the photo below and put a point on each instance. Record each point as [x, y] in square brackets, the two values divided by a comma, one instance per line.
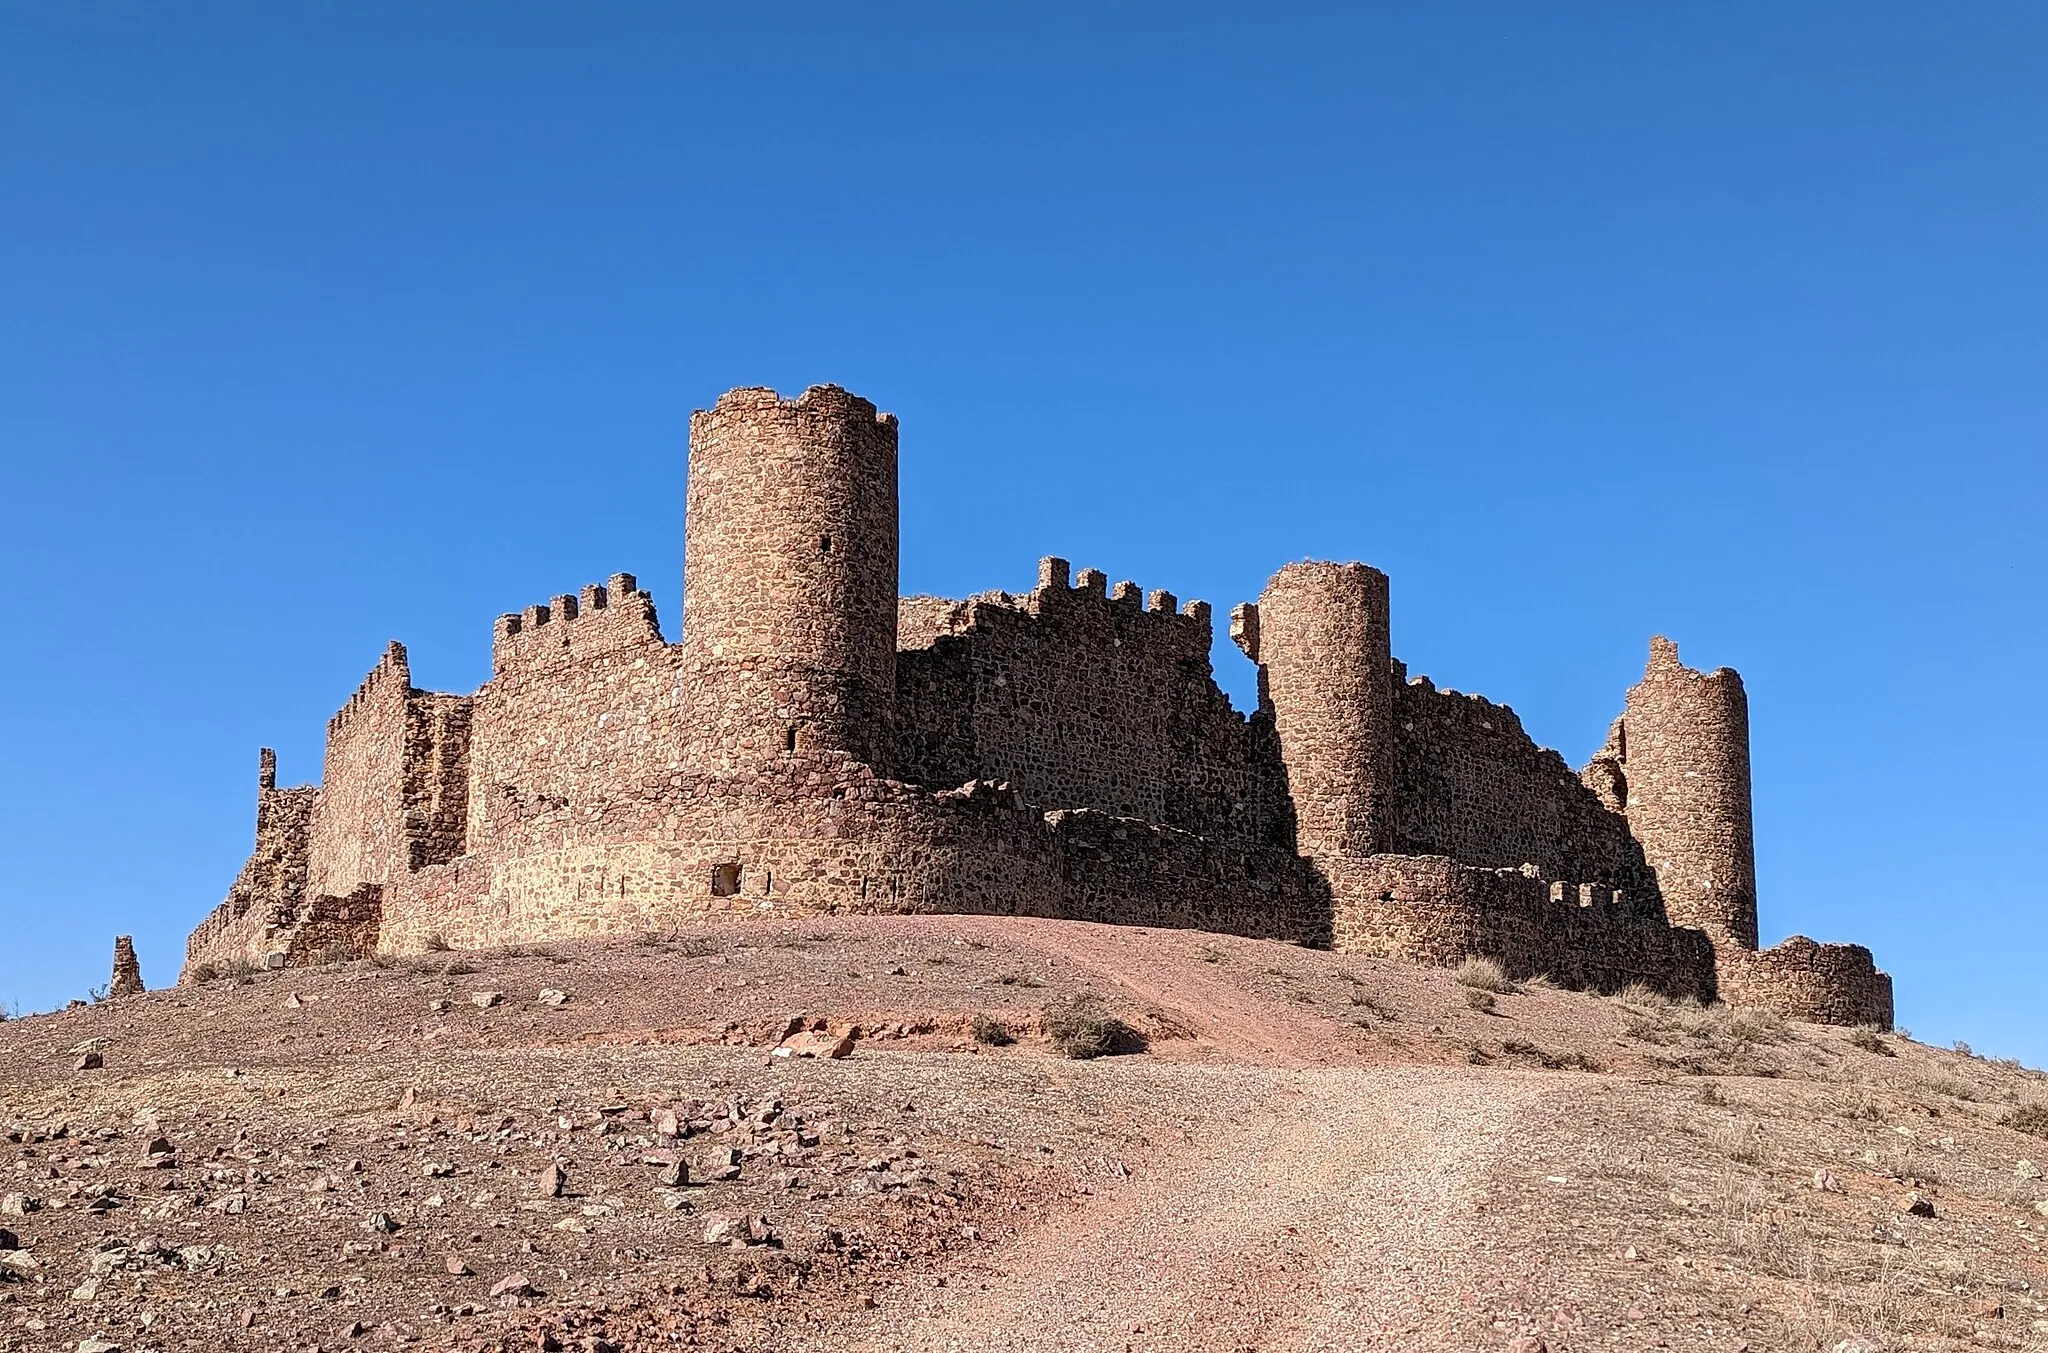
[812, 743]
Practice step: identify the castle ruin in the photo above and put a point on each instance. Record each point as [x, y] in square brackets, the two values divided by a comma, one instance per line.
[816, 744]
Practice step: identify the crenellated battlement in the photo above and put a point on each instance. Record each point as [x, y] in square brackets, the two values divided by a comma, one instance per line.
[390, 679]
[573, 627]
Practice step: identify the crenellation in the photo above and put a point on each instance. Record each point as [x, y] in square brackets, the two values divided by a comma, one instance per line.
[815, 743]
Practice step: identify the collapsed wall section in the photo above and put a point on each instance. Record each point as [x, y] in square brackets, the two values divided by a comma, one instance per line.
[270, 891]
[1081, 696]
[1431, 909]
[1470, 784]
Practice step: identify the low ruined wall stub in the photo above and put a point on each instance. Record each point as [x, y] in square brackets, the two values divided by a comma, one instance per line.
[1821, 983]
[1430, 909]
[271, 889]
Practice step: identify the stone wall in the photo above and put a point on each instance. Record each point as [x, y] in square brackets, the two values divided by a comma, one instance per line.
[394, 784]
[1825, 983]
[1471, 784]
[1430, 909]
[1082, 696]
[580, 728]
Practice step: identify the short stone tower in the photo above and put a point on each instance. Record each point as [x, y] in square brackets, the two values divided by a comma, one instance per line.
[789, 575]
[1320, 636]
[127, 979]
[1684, 759]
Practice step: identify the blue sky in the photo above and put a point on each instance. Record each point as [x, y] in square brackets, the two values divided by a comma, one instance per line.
[328, 324]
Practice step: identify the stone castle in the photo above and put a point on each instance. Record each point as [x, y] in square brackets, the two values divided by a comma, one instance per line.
[816, 744]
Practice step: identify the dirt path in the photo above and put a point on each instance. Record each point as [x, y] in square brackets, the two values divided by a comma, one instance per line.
[1334, 1211]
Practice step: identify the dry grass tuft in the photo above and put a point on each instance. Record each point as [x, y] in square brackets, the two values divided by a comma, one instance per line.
[991, 1032]
[2028, 1118]
[1484, 974]
[1482, 1001]
[1865, 1036]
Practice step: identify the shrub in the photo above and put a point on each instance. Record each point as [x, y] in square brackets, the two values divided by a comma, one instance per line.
[1567, 1059]
[991, 1032]
[458, 968]
[204, 972]
[2029, 1118]
[437, 943]
[1864, 1036]
[1082, 1029]
[1483, 974]
[1482, 1001]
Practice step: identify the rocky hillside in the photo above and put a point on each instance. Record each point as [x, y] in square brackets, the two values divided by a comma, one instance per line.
[869, 1134]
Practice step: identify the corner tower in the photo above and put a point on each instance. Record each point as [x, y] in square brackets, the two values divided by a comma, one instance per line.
[1684, 756]
[789, 575]
[1320, 636]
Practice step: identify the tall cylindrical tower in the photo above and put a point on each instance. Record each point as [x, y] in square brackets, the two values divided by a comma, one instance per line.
[1685, 755]
[789, 575]
[1321, 640]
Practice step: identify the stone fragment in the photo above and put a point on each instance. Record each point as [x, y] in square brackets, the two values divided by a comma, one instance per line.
[383, 1223]
[551, 996]
[19, 1204]
[484, 1000]
[456, 1268]
[722, 1164]
[95, 1344]
[9, 1240]
[1916, 1205]
[675, 1175]
[91, 1061]
[815, 1043]
[2026, 1169]
[1527, 1343]
[553, 1180]
[722, 1230]
[513, 1288]
[440, 1007]
[292, 1002]
[232, 1205]
[1826, 1182]
[666, 1123]
[2042, 1207]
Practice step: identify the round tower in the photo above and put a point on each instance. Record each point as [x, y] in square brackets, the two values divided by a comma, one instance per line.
[789, 575]
[1684, 744]
[1320, 637]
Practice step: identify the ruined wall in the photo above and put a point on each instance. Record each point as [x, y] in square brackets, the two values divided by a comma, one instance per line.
[1469, 783]
[1681, 754]
[789, 566]
[580, 726]
[1430, 909]
[1320, 636]
[1824, 983]
[1081, 697]
[270, 890]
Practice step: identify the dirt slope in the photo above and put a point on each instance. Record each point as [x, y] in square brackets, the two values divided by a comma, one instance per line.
[1315, 1152]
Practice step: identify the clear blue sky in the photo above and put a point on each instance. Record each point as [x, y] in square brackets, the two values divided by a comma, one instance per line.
[326, 324]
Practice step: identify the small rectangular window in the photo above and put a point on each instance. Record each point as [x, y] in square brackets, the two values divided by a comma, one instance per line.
[725, 880]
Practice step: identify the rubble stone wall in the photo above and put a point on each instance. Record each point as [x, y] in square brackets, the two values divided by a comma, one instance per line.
[270, 890]
[1082, 696]
[1431, 909]
[1824, 983]
[1471, 784]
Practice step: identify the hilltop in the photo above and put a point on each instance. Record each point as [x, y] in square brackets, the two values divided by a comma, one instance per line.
[591, 1146]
